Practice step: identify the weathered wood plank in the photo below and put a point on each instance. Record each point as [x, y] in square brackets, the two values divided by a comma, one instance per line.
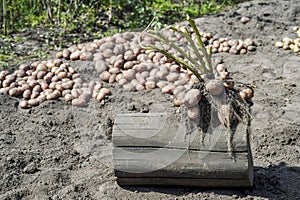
[151, 149]
[186, 182]
[155, 130]
[178, 163]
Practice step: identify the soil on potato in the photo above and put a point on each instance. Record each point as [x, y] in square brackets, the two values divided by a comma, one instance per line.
[57, 151]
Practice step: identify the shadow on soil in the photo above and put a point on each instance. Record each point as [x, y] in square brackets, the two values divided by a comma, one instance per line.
[274, 182]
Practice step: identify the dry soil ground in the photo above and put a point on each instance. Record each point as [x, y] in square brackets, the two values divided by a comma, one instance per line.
[56, 151]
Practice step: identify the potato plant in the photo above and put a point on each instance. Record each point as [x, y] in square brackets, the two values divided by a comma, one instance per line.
[215, 99]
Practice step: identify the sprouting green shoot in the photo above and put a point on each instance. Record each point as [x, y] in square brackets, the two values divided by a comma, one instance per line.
[204, 65]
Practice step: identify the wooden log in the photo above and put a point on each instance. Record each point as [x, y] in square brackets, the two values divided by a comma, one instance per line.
[149, 149]
[131, 129]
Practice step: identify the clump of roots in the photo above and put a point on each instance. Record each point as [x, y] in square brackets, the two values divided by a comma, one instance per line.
[227, 109]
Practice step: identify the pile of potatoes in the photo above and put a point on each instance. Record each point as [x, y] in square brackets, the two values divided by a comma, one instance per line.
[49, 80]
[290, 44]
[118, 59]
[114, 49]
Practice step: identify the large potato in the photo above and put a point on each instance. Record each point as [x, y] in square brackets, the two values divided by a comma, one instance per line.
[192, 97]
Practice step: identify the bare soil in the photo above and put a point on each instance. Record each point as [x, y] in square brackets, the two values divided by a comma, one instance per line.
[56, 151]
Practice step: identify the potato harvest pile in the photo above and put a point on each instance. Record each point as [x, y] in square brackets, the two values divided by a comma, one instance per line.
[289, 43]
[119, 59]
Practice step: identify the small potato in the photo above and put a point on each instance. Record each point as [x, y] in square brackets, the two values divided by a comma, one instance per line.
[68, 97]
[168, 89]
[129, 74]
[142, 57]
[106, 91]
[41, 67]
[161, 84]
[194, 79]
[129, 87]
[68, 85]
[139, 87]
[55, 79]
[41, 74]
[97, 86]
[23, 104]
[37, 88]
[100, 96]
[129, 55]
[279, 44]
[62, 75]
[112, 79]
[10, 77]
[140, 67]
[180, 82]
[23, 66]
[223, 75]
[193, 112]
[140, 78]
[75, 93]
[104, 76]
[34, 95]
[119, 63]
[48, 91]
[55, 70]
[221, 68]
[20, 73]
[14, 92]
[243, 51]
[4, 90]
[66, 53]
[86, 96]
[173, 76]
[215, 87]
[71, 70]
[75, 76]
[6, 83]
[59, 87]
[41, 98]
[150, 84]
[151, 55]
[65, 92]
[59, 54]
[75, 55]
[32, 83]
[24, 87]
[52, 85]
[175, 68]
[48, 77]
[162, 74]
[153, 72]
[114, 70]
[51, 96]
[178, 89]
[33, 102]
[145, 74]
[79, 102]
[122, 81]
[77, 85]
[13, 85]
[57, 62]
[119, 76]
[78, 81]
[3, 74]
[251, 48]
[179, 99]
[192, 97]
[85, 55]
[130, 64]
